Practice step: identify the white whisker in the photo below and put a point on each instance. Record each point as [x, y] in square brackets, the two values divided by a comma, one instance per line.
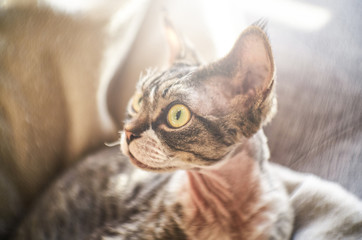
[112, 144]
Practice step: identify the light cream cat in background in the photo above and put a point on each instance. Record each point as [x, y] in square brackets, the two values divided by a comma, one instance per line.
[55, 69]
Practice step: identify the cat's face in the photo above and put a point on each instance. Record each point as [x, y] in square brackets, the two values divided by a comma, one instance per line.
[191, 116]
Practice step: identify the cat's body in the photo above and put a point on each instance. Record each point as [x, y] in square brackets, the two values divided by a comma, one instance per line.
[82, 208]
[199, 128]
[106, 196]
[129, 203]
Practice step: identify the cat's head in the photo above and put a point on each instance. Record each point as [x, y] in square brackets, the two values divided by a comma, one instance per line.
[192, 115]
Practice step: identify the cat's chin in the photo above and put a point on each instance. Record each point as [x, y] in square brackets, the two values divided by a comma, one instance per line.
[143, 166]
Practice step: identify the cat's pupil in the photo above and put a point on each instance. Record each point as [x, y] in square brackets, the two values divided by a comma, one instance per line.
[178, 114]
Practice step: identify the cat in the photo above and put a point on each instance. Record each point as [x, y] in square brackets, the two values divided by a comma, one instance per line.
[196, 164]
[203, 122]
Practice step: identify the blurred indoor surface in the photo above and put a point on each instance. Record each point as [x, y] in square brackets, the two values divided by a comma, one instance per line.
[318, 127]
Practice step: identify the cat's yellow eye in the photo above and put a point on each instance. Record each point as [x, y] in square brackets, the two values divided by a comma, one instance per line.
[137, 102]
[178, 116]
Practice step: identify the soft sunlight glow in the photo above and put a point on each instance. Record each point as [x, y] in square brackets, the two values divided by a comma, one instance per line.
[226, 18]
[223, 23]
[71, 6]
[295, 14]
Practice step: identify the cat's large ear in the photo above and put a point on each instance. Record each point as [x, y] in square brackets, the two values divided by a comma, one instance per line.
[244, 79]
[179, 49]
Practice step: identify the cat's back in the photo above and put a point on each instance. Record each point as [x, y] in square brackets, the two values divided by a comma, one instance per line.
[91, 200]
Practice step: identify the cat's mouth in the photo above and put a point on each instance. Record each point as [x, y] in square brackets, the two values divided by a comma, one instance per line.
[146, 167]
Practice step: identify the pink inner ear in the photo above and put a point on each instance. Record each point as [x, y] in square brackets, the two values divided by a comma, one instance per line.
[252, 62]
[257, 61]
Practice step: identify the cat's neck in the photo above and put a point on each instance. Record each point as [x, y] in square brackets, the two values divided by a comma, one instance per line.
[229, 196]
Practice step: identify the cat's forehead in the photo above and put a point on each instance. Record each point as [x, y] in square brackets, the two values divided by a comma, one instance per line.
[156, 84]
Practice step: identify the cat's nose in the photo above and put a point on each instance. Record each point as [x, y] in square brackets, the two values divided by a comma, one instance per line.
[130, 136]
